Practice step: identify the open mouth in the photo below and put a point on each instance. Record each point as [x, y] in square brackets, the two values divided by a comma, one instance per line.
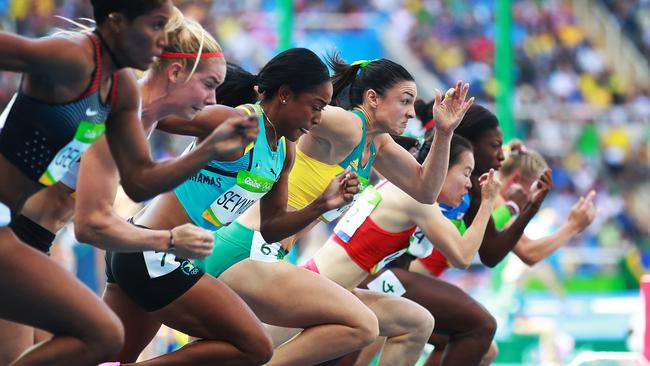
[304, 130]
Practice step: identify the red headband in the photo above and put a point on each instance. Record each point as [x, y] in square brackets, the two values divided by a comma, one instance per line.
[190, 55]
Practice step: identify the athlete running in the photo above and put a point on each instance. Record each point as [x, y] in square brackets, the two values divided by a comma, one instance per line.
[71, 85]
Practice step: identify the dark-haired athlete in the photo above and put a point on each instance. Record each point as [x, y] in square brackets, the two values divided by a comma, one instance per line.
[72, 90]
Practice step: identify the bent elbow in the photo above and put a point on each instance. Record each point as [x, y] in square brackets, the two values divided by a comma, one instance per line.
[461, 263]
[86, 229]
[489, 262]
[136, 192]
[426, 199]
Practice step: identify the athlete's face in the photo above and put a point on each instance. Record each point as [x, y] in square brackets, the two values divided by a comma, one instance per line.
[488, 151]
[139, 40]
[395, 107]
[516, 178]
[302, 111]
[457, 182]
[191, 96]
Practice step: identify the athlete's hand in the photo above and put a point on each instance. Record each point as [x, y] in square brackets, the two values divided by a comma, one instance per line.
[449, 110]
[341, 190]
[490, 185]
[191, 242]
[540, 188]
[232, 136]
[583, 212]
[517, 194]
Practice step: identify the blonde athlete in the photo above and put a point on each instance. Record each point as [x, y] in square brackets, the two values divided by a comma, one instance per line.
[295, 87]
[71, 85]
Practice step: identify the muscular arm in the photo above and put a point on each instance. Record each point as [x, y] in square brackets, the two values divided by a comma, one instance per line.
[496, 244]
[57, 58]
[95, 221]
[276, 223]
[142, 178]
[202, 125]
[459, 249]
[582, 215]
[531, 251]
[422, 182]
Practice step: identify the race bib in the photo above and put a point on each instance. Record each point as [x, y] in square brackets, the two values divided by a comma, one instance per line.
[387, 283]
[159, 263]
[266, 252]
[231, 204]
[352, 220]
[419, 245]
[86, 134]
[334, 214]
[387, 259]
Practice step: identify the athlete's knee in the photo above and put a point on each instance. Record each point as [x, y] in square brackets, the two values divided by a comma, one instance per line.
[260, 349]
[425, 324]
[107, 337]
[486, 326]
[365, 327]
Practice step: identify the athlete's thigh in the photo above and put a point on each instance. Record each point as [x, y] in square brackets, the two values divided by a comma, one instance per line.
[139, 326]
[285, 295]
[43, 294]
[452, 307]
[211, 310]
[395, 314]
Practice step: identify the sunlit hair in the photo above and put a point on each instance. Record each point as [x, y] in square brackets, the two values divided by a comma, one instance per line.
[518, 158]
[186, 36]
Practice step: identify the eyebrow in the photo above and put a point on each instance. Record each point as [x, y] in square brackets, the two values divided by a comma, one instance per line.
[214, 79]
[409, 93]
[322, 101]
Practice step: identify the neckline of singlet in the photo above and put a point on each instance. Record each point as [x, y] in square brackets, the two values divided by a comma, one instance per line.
[362, 143]
[266, 140]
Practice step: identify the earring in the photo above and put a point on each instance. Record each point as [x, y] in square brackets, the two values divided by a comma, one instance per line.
[284, 101]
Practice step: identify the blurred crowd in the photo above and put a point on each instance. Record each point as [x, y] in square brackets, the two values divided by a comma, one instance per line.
[569, 105]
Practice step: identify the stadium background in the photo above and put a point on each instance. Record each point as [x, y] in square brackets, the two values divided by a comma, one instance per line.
[572, 79]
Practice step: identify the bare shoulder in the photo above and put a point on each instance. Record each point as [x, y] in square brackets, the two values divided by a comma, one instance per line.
[63, 57]
[339, 126]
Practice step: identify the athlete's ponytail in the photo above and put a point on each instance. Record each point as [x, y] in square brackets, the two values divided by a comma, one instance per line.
[351, 81]
[189, 44]
[238, 88]
[458, 146]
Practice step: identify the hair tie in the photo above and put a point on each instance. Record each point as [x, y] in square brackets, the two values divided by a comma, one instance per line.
[362, 63]
[190, 55]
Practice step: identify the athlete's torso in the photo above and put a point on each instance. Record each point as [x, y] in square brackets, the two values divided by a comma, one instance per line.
[223, 190]
[43, 139]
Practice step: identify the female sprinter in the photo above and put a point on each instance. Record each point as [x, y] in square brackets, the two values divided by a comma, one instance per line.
[71, 85]
[172, 85]
[295, 87]
[351, 254]
[394, 324]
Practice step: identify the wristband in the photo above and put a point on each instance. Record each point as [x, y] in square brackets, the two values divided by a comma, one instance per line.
[514, 206]
[172, 244]
[501, 215]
